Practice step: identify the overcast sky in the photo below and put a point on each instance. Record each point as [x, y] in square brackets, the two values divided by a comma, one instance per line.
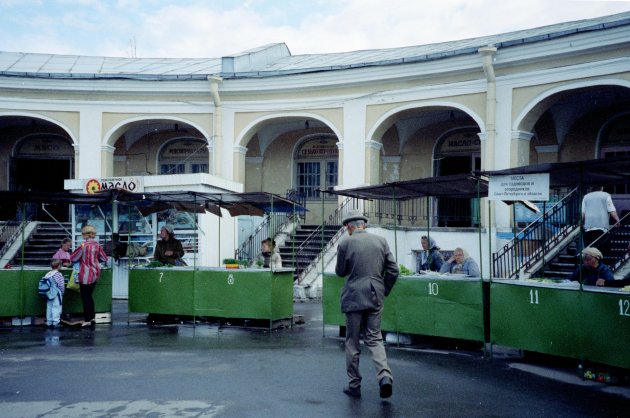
[215, 28]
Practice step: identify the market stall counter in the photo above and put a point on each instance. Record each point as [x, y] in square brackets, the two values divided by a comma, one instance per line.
[212, 292]
[19, 296]
[560, 319]
[434, 305]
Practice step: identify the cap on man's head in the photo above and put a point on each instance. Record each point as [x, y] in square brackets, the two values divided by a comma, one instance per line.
[168, 229]
[593, 252]
[354, 215]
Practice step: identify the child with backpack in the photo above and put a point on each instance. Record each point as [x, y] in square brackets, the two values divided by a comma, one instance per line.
[54, 305]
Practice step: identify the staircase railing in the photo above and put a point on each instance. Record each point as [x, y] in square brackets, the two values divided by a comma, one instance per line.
[544, 234]
[309, 254]
[615, 240]
[269, 227]
[9, 233]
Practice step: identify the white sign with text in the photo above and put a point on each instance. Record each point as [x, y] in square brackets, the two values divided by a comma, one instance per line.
[534, 187]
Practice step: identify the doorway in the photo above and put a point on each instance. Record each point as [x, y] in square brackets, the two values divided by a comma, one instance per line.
[455, 211]
[42, 175]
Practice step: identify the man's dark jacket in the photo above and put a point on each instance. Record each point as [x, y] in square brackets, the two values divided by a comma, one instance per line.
[370, 268]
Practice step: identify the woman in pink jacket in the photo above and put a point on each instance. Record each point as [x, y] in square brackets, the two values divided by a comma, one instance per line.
[89, 255]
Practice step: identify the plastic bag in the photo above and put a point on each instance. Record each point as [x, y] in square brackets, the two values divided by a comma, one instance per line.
[73, 282]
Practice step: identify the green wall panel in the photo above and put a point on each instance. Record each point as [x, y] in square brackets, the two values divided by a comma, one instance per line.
[536, 318]
[427, 306]
[225, 293]
[19, 296]
[605, 327]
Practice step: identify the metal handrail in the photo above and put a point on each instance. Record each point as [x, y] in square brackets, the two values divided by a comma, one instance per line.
[602, 243]
[540, 237]
[9, 233]
[252, 245]
[312, 259]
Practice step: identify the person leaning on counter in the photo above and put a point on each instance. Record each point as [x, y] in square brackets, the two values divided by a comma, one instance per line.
[461, 263]
[592, 271]
[168, 249]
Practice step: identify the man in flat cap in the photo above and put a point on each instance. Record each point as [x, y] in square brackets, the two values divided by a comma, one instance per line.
[592, 269]
[371, 271]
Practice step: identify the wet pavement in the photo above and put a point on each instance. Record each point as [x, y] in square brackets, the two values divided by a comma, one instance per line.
[212, 369]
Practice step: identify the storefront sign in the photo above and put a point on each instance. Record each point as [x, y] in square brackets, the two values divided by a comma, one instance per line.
[130, 184]
[466, 141]
[44, 146]
[185, 149]
[534, 187]
[319, 148]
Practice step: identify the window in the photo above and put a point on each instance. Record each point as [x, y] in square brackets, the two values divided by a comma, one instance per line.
[172, 168]
[184, 156]
[309, 179]
[317, 167]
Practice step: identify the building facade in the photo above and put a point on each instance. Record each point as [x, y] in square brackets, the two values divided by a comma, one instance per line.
[266, 120]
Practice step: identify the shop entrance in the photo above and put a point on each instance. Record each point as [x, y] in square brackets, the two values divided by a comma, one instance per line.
[37, 174]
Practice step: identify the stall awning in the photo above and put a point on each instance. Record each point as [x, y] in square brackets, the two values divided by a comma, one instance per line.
[457, 185]
[571, 174]
[235, 203]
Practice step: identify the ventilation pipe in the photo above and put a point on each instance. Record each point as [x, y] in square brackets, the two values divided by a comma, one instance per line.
[487, 54]
[217, 128]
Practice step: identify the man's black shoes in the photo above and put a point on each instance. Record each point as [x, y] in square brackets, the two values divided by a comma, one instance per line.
[354, 392]
[386, 387]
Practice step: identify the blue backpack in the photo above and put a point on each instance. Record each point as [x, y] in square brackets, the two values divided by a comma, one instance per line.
[47, 288]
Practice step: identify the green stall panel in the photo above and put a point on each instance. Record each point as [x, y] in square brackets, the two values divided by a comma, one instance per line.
[161, 290]
[11, 297]
[102, 295]
[331, 300]
[420, 305]
[331, 304]
[604, 326]
[224, 293]
[20, 296]
[536, 317]
[440, 307]
[244, 293]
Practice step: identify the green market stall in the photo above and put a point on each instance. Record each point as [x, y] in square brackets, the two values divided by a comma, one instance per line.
[213, 292]
[432, 305]
[449, 306]
[196, 291]
[255, 293]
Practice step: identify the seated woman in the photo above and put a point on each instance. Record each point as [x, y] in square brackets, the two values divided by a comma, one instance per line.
[63, 253]
[461, 263]
[168, 249]
[592, 270]
[268, 255]
[430, 258]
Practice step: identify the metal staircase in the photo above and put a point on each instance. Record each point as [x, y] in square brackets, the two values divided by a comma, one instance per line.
[305, 246]
[43, 242]
[613, 246]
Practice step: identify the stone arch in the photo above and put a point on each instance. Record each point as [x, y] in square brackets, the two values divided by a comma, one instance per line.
[133, 128]
[393, 166]
[250, 129]
[111, 136]
[529, 115]
[60, 124]
[380, 126]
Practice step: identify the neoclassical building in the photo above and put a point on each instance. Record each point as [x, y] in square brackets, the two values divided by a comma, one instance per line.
[267, 120]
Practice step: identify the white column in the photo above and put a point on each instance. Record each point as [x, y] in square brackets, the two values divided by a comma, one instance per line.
[354, 146]
[224, 151]
[90, 134]
[520, 148]
[107, 160]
